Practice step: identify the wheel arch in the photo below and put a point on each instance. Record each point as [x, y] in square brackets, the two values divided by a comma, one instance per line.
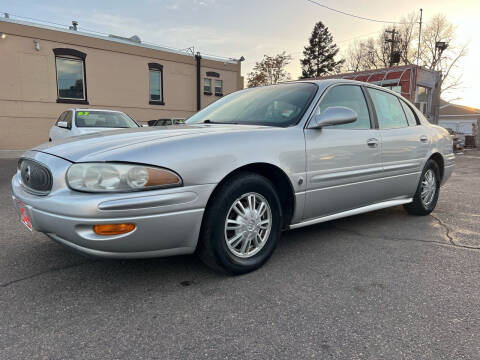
[280, 181]
[438, 158]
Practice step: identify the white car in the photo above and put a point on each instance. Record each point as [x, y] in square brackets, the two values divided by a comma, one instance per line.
[73, 122]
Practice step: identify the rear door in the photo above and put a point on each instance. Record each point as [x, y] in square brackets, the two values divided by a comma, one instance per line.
[405, 143]
[343, 161]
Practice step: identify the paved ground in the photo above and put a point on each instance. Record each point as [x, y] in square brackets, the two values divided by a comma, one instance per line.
[383, 285]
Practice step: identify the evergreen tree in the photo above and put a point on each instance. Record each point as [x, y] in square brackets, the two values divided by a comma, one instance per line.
[319, 55]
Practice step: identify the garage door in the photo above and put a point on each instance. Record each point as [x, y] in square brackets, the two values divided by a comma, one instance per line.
[460, 127]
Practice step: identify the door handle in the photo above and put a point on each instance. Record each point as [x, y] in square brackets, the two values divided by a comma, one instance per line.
[373, 143]
[423, 138]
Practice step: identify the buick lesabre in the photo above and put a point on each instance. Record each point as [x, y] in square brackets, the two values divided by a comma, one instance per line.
[239, 172]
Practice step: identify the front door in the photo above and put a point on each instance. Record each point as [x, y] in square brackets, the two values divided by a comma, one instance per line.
[343, 161]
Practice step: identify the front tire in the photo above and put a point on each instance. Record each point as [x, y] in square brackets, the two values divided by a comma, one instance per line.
[428, 189]
[242, 224]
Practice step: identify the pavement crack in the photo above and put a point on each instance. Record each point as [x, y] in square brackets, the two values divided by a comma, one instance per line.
[51, 270]
[449, 236]
[447, 229]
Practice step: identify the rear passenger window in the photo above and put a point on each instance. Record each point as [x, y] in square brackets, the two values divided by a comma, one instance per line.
[389, 111]
[350, 96]
[411, 118]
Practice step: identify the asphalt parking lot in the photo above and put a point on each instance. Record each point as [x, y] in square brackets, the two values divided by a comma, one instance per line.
[383, 285]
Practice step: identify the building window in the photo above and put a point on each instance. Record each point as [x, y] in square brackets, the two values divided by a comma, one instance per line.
[396, 88]
[70, 68]
[207, 86]
[218, 88]
[155, 74]
[422, 97]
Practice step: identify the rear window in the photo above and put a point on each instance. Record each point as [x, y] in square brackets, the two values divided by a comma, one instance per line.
[103, 119]
[389, 110]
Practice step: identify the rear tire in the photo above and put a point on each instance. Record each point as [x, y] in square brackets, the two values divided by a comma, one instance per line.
[241, 225]
[428, 189]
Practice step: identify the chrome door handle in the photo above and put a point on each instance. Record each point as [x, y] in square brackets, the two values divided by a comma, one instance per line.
[423, 138]
[373, 143]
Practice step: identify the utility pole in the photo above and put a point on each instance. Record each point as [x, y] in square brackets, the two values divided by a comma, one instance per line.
[419, 35]
[392, 42]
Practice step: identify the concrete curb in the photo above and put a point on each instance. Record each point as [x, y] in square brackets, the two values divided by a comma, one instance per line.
[11, 154]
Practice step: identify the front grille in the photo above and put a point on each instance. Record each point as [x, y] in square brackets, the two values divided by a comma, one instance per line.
[35, 177]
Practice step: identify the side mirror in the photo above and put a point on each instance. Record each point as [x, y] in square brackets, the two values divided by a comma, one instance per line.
[144, 125]
[334, 115]
[63, 124]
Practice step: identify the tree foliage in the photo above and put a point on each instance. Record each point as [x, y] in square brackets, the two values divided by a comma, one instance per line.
[270, 70]
[319, 55]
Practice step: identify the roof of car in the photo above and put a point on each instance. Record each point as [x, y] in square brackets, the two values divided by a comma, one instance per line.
[89, 109]
[327, 82]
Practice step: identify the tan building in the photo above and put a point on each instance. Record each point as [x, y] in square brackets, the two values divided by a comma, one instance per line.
[45, 70]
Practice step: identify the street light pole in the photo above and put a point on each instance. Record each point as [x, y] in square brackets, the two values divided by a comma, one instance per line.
[419, 36]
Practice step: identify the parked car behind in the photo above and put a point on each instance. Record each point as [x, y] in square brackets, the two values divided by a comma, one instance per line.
[75, 122]
[166, 122]
[458, 143]
[238, 173]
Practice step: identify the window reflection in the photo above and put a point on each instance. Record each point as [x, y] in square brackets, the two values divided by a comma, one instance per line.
[70, 78]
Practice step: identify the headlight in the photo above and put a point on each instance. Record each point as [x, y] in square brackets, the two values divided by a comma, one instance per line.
[117, 177]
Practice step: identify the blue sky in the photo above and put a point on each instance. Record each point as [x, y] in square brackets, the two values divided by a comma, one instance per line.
[253, 27]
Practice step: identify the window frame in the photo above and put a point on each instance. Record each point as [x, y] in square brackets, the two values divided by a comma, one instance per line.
[71, 54]
[371, 111]
[221, 87]
[159, 68]
[404, 104]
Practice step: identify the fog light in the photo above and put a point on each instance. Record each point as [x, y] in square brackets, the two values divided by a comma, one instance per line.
[113, 229]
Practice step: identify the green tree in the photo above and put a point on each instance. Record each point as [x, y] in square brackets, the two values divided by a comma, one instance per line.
[270, 70]
[319, 55]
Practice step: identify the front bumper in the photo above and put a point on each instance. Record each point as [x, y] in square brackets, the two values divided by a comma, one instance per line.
[167, 221]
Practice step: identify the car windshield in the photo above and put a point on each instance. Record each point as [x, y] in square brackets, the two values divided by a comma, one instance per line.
[103, 119]
[277, 105]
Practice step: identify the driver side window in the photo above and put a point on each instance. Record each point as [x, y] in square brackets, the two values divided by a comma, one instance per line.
[68, 119]
[350, 96]
[61, 117]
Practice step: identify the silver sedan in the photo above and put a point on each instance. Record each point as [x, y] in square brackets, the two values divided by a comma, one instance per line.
[242, 170]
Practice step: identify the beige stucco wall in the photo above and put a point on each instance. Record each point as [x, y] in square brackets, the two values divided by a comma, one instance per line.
[116, 78]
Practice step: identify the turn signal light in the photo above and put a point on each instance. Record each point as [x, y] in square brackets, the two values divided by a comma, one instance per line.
[113, 229]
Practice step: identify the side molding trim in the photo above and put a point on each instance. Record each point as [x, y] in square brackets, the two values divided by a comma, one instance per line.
[356, 211]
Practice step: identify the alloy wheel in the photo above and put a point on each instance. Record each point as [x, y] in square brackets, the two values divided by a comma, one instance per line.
[429, 188]
[248, 225]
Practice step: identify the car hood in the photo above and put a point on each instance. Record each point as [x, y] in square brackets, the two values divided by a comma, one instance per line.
[107, 142]
[87, 130]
